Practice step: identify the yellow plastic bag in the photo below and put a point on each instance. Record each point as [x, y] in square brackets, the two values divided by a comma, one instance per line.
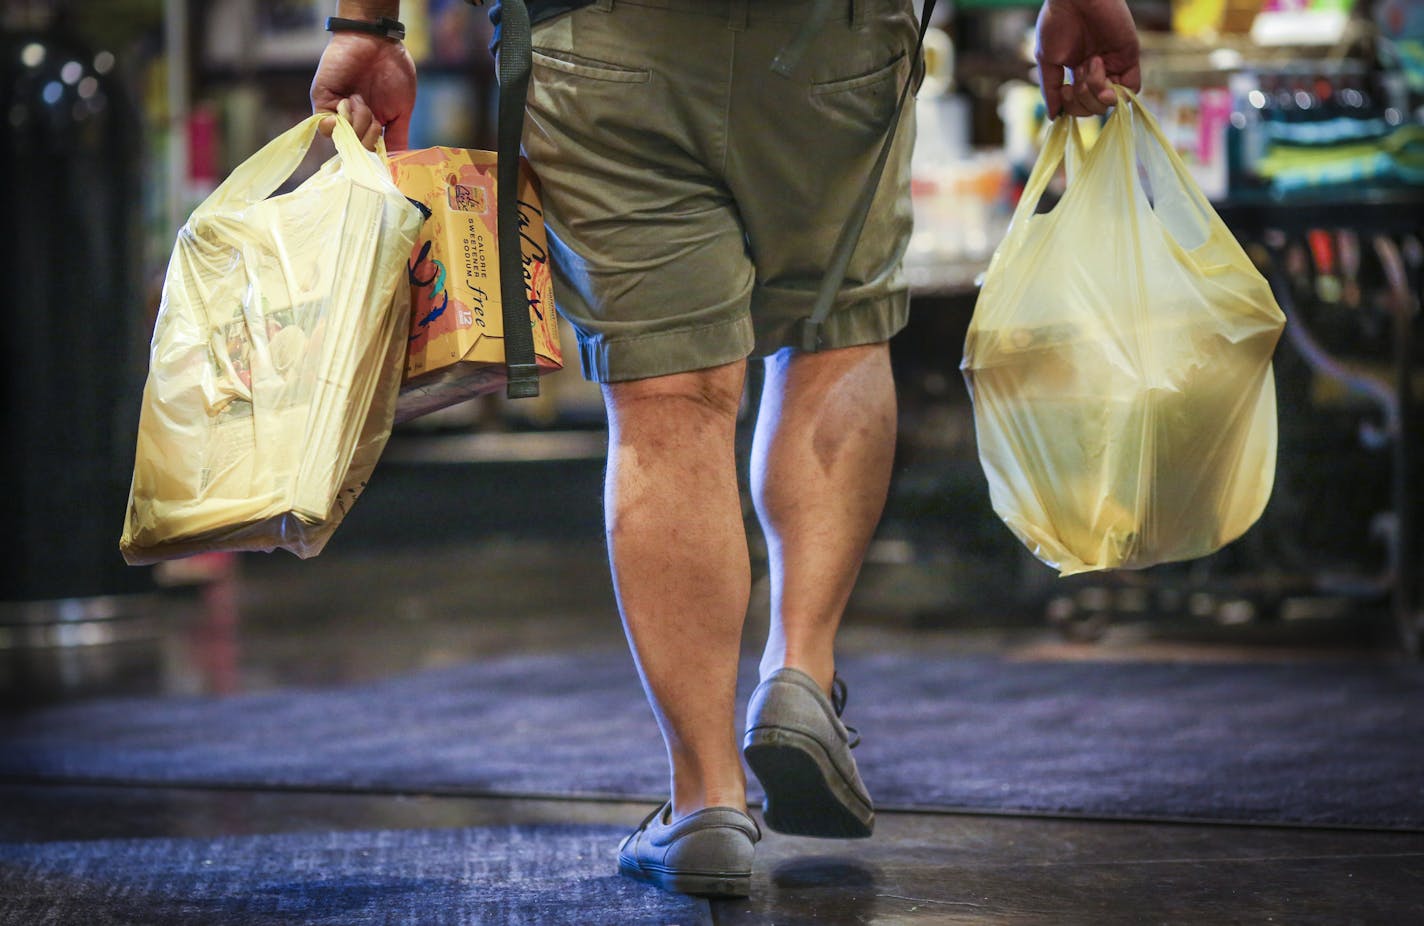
[276, 358]
[1119, 360]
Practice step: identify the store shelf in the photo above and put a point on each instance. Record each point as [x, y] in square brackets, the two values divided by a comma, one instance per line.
[498, 447]
[1378, 209]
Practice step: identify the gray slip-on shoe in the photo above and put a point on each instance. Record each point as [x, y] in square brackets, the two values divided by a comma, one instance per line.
[800, 751]
[708, 852]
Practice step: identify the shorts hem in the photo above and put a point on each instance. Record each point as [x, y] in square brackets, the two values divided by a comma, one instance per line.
[664, 353]
[867, 321]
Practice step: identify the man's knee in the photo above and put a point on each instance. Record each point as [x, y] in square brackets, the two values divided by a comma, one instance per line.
[715, 392]
[829, 362]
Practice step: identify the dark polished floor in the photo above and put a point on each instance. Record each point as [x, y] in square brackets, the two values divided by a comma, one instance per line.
[362, 614]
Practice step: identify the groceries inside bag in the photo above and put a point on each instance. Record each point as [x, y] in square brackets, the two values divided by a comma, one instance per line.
[456, 340]
[276, 356]
[1119, 360]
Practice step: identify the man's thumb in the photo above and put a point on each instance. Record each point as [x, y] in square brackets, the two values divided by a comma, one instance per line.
[398, 133]
[1050, 83]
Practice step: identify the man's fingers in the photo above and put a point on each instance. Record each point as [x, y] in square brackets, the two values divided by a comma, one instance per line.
[1088, 103]
[328, 125]
[371, 135]
[1097, 90]
[1050, 83]
[359, 115]
[1090, 94]
[1089, 83]
[365, 124]
[323, 101]
[1131, 78]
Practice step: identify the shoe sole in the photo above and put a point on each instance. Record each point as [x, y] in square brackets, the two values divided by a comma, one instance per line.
[699, 883]
[805, 793]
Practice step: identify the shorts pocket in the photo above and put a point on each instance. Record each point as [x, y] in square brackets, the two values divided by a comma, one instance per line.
[587, 67]
[886, 72]
[861, 104]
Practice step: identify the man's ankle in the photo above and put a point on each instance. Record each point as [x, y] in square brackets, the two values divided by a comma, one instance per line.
[734, 798]
[821, 670]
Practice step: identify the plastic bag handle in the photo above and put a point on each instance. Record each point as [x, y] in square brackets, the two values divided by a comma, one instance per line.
[259, 176]
[1143, 116]
[1065, 143]
[1043, 170]
[1076, 153]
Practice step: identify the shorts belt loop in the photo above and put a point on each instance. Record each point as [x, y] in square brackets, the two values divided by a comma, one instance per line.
[857, 13]
[603, 6]
[738, 15]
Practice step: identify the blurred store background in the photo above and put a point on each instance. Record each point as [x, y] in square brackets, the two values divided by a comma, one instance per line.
[1302, 119]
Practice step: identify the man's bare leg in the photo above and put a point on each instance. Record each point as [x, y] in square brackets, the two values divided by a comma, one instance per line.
[680, 567]
[821, 460]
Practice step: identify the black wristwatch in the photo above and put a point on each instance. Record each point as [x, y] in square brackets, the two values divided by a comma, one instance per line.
[385, 27]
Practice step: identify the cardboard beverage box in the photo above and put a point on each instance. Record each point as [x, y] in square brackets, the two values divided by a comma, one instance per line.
[456, 342]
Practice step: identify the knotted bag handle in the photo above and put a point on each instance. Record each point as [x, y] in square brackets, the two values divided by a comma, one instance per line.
[258, 177]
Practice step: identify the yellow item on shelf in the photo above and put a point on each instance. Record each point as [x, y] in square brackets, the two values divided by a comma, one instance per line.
[1119, 360]
[1205, 19]
[276, 357]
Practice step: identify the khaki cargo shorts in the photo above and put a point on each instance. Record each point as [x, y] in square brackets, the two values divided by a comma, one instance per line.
[693, 196]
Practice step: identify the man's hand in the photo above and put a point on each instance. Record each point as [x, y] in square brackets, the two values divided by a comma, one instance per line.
[376, 78]
[1097, 41]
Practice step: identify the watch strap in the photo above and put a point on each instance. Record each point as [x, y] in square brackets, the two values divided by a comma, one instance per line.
[384, 27]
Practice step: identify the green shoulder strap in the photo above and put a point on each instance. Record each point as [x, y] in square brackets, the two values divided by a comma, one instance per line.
[855, 222]
[515, 63]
